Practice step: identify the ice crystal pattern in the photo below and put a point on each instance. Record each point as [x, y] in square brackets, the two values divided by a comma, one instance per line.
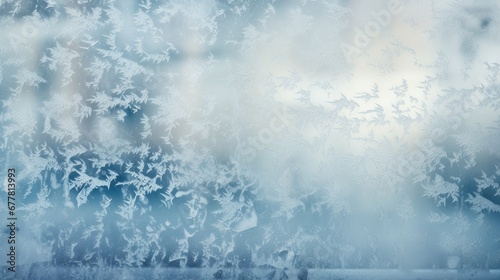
[234, 134]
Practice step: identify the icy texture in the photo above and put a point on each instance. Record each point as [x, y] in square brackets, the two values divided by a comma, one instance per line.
[241, 134]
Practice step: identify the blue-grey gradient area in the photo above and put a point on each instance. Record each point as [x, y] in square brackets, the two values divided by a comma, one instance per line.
[250, 139]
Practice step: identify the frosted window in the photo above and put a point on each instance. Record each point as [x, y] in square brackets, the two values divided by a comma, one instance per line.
[250, 139]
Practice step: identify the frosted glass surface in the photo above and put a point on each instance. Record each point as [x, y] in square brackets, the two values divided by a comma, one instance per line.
[238, 139]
